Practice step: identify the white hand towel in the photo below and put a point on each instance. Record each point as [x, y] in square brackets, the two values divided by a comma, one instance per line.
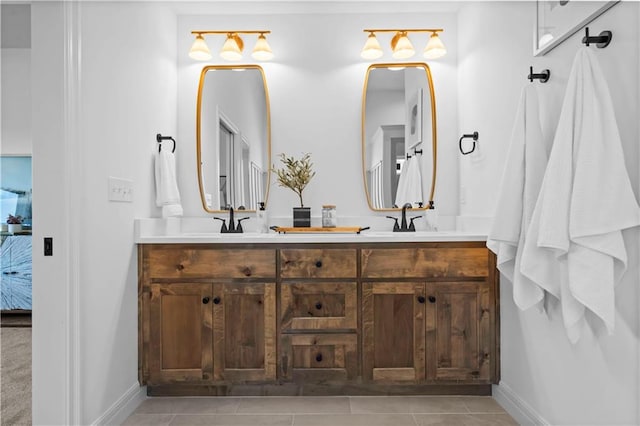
[410, 183]
[585, 202]
[525, 165]
[167, 194]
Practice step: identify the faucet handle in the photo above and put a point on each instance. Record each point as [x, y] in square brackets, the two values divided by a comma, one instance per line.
[223, 228]
[396, 227]
[239, 227]
[412, 227]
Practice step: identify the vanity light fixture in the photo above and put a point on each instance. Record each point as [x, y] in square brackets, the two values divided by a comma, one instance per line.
[401, 46]
[232, 47]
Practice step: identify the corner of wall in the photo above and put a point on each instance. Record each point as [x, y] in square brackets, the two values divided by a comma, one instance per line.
[123, 407]
[517, 408]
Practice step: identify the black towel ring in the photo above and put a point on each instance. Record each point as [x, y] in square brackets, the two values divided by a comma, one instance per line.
[473, 136]
[161, 138]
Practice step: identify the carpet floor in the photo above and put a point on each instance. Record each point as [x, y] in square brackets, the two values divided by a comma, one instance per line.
[15, 376]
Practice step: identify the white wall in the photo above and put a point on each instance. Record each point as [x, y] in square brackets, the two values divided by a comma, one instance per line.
[126, 93]
[315, 85]
[595, 381]
[15, 137]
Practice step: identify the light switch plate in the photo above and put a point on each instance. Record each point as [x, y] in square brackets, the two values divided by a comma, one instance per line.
[120, 190]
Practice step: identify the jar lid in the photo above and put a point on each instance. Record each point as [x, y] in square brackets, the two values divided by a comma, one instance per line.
[328, 206]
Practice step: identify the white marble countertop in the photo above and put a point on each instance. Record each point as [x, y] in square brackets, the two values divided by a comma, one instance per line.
[160, 231]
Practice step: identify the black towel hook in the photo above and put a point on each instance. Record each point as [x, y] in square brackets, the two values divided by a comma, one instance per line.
[161, 138]
[542, 76]
[473, 136]
[601, 40]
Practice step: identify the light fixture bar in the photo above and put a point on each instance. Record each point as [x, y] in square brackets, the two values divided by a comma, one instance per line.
[231, 32]
[414, 30]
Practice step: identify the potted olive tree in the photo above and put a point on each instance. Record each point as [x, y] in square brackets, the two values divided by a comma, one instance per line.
[296, 175]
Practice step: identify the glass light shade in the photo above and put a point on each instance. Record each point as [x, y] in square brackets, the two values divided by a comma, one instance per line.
[402, 47]
[199, 49]
[262, 51]
[371, 49]
[545, 39]
[232, 48]
[435, 48]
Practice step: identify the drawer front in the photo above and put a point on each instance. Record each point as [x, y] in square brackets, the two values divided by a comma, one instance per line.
[310, 263]
[425, 263]
[319, 357]
[315, 306]
[210, 263]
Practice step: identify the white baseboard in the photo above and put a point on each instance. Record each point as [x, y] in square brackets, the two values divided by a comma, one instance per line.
[123, 407]
[521, 412]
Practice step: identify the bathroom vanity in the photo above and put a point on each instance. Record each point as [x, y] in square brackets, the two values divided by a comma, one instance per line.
[280, 315]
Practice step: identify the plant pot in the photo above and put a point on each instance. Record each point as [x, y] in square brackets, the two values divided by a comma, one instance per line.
[302, 217]
[15, 227]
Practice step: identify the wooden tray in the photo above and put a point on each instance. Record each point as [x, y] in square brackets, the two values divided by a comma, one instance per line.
[319, 230]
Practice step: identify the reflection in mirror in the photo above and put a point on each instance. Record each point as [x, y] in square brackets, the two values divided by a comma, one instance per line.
[399, 136]
[233, 137]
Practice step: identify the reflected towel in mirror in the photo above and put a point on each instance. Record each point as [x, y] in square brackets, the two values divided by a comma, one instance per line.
[167, 194]
[410, 183]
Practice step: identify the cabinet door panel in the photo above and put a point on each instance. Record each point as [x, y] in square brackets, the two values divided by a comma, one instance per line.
[393, 331]
[244, 332]
[313, 306]
[458, 322]
[423, 263]
[181, 333]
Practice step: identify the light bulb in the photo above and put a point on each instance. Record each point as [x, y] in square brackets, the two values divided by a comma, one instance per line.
[262, 51]
[371, 49]
[401, 45]
[199, 49]
[435, 48]
[232, 48]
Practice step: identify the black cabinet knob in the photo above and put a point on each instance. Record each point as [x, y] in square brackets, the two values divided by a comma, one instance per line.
[318, 305]
[205, 300]
[319, 358]
[421, 299]
[216, 300]
[432, 299]
[319, 264]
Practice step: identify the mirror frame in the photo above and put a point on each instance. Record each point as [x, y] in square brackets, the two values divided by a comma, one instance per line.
[433, 129]
[203, 74]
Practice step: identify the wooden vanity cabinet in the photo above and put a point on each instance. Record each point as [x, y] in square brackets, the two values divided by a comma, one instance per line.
[206, 315]
[438, 327]
[355, 318]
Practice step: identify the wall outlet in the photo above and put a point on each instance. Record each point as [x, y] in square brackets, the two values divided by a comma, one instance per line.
[120, 190]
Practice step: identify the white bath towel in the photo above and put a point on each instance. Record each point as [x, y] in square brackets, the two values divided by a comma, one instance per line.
[410, 183]
[525, 165]
[574, 247]
[167, 194]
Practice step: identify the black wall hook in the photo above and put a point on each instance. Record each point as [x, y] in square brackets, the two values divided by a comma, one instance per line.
[542, 76]
[161, 138]
[601, 40]
[473, 136]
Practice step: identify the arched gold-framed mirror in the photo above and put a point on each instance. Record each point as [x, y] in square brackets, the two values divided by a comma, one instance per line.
[399, 136]
[233, 137]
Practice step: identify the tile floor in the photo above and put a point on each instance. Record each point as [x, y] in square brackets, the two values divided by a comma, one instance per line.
[321, 411]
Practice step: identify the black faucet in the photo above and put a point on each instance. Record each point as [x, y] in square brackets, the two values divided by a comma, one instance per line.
[232, 228]
[403, 227]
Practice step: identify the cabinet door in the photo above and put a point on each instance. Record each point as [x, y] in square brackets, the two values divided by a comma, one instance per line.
[244, 332]
[393, 331]
[180, 344]
[458, 331]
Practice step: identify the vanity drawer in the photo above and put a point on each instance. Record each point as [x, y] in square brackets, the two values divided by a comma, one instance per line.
[310, 263]
[180, 262]
[316, 306]
[436, 262]
[319, 357]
